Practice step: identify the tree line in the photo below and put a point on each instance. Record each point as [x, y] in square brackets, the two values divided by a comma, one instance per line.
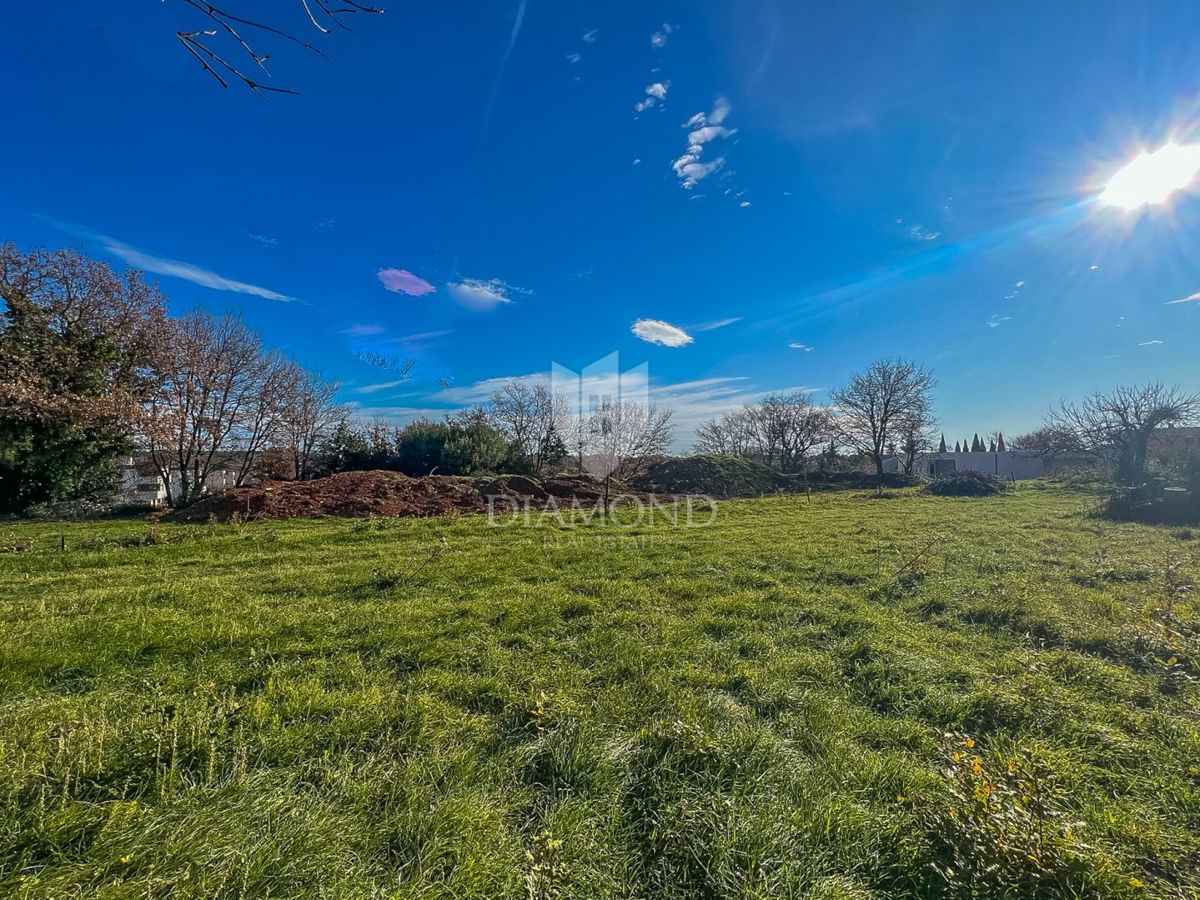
[886, 410]
[93, 368]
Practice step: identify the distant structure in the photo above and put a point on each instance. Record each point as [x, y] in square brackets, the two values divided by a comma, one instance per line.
[1167, 445]
[142, 485]
[1013, 465]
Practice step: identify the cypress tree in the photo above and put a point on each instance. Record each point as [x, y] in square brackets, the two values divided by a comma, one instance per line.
[1000, 442]
[957, 448]
[942, 444]
[992, 448]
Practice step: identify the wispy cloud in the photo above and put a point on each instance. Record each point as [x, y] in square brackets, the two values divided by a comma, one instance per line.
[659, 38]
[263, 239]
[1194, 298]
[482, 296]
[796, 345]
[589, 37]
[719, 323]
[656, 331]
[705, 128]
[173, 268]
[997, 320]
[423, 336]
[327, 222]
[921, 233]
[691, 402]
[402, 281]
[573, 58]
[381, 386]
[1151, 343]
[362, 330]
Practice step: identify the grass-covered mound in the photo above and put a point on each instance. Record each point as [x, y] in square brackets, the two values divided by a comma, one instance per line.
[967, 484]
[825, 699]
[716, 476]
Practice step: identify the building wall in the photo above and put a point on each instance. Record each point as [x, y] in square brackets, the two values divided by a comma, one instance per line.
[1011, 464]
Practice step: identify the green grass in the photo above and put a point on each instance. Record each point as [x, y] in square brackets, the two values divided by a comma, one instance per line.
[835, 697]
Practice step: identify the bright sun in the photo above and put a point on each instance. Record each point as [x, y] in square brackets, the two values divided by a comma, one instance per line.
[1153, 177]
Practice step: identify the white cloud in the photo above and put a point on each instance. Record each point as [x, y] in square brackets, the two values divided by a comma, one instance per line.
[997, 320]
[362, 330]
[705, 128]
[263, 239]
[589, 37]
[480, 295]
[919, 233]
[1020, 284]
[658, 89]
[573, 58]
[659, 38]
[744, 204]
[656, 331]
[719, 323]
[796, 345]
[1151, 343]
[1194, 298]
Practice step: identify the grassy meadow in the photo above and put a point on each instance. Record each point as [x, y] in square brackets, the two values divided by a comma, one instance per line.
[837, 697]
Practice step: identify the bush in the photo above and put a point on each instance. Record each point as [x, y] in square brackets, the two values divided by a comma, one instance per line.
[966, 484]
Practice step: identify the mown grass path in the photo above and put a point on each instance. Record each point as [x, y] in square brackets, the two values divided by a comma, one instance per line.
[848, 697]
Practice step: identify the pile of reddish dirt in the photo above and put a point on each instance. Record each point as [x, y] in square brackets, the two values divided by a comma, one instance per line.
[362, 494]
[353, 494]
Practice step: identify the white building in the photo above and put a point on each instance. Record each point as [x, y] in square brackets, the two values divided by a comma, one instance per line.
[142, 485]
[1011, 465]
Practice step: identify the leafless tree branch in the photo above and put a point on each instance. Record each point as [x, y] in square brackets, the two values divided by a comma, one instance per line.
[237, 28]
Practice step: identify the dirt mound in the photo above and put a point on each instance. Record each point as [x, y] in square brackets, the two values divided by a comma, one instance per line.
[362, 494]
[352, 494]
[966, 484]
[715, 476]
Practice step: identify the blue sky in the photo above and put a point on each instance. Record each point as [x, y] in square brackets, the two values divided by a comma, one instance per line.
[492, 187]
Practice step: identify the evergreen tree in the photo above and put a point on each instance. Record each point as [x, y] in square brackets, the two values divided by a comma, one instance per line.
[942, 444]
[976, 444]
[992, 448]
[1000, 442]
[957, 447]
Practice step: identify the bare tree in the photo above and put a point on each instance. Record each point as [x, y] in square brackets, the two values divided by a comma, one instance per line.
[240, 34]
[785, 428]
[620, 434]
[308, 415]
[530, 418]
[215, 401]
[1122, 421]
[917, 434]
[728, 435]
[879, 405]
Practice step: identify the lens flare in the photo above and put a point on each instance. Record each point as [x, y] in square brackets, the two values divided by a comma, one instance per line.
[1153, 177]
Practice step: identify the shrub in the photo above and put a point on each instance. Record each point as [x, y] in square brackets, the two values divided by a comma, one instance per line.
[1007, 830]
[966, 484]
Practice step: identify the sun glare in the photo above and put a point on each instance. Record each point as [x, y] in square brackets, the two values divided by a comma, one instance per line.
[1153, 177]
